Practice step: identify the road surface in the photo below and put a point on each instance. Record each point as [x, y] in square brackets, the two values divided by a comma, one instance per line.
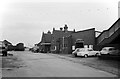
[47, 65]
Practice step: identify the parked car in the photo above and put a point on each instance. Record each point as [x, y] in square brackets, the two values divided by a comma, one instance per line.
[85, 52]
[110, 51]
[35, 49]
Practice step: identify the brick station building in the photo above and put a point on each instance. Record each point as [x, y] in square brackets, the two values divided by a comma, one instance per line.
[45, 44]
[63, 40]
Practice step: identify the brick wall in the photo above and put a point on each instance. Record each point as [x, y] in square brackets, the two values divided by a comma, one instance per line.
[87, 35]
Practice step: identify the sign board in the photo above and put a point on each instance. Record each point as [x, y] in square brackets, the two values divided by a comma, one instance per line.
[91, 46]
[85, 46]
[55, 47]
[73, 47]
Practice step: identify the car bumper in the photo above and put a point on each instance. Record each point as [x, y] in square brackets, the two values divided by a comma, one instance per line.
[79, 54]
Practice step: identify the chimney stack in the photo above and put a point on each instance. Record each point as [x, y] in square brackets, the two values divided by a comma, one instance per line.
[61, 28]
[65, 28]
[73, 30]
[49, 32]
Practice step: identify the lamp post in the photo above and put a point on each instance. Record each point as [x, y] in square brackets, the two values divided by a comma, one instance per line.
[63, 42]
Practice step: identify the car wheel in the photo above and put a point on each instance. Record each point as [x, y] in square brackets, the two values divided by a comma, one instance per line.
[85, 55]
[75, 55]
[108, 54]
[96, 54]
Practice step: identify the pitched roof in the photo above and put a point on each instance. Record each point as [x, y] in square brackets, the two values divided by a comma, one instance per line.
[46, 38]
[85, 30]
[7, 42]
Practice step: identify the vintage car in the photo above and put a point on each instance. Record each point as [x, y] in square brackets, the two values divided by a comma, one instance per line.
[85, 52]
[110, 51]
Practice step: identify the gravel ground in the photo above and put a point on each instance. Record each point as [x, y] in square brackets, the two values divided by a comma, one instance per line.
[111, 66]
[10, 62]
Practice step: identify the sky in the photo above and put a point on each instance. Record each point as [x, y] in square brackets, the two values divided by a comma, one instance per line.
[119, 9]
[25, 20]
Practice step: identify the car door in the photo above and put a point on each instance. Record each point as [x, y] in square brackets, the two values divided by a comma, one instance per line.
[94, 52]
[112, 51]
[90, 52]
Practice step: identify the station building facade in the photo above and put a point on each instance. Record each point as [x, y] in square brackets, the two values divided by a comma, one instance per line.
[45, 44]
[64, 41]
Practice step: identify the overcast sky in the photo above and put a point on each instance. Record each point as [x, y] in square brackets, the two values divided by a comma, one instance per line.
[25, 20]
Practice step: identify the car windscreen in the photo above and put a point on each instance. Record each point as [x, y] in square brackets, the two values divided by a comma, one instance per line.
[104, 49]
[90, 49]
